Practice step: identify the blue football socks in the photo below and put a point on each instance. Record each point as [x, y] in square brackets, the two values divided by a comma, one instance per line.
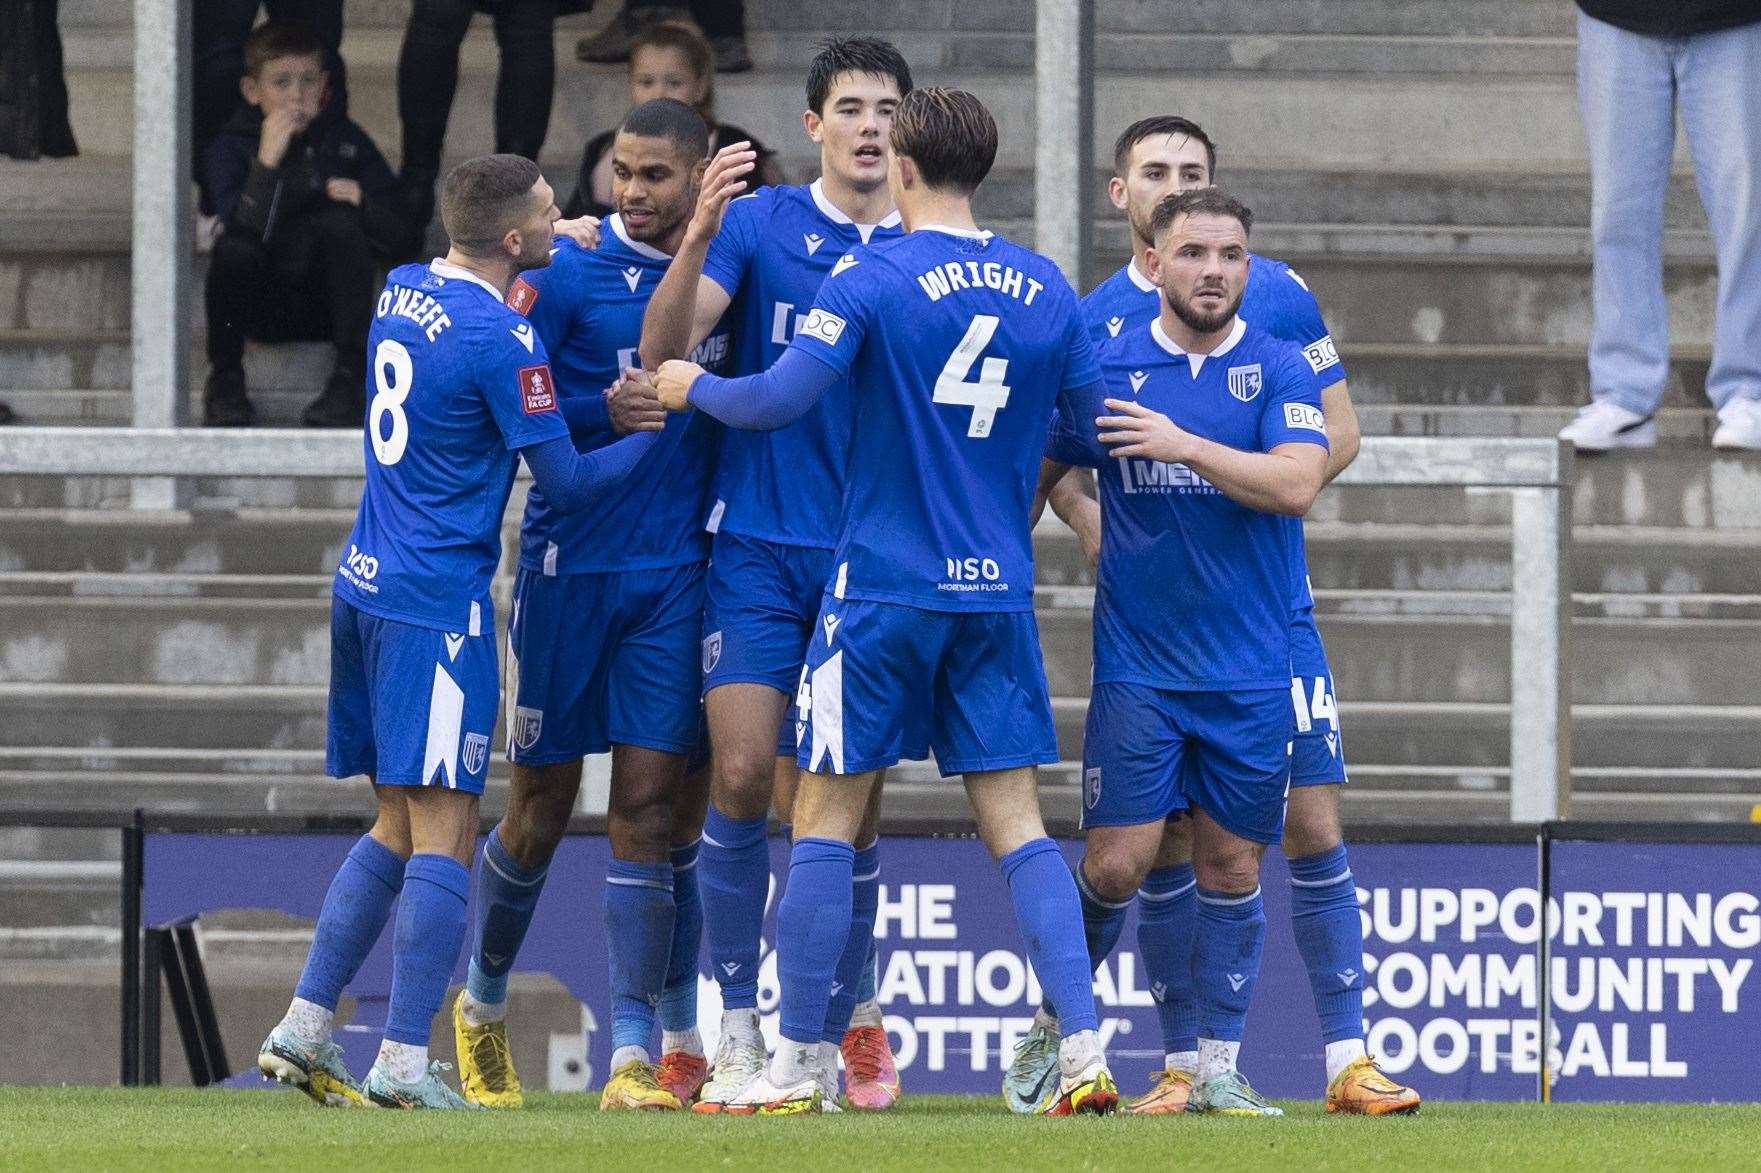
[430, 932]
[678, 1001]
[853, 963]
[638, 943]
[813, 924]
[735, 876]
[1226, 961]
[1167, 918]
[1102, 922]
[507, 894]
[354, 914]
[1049, 913]
[1330, 937]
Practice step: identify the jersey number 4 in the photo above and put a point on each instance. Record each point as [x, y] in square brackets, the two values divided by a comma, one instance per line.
[392, 375]
[985, 397]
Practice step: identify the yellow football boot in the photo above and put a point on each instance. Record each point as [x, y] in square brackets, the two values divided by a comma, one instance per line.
[486, 1066]
[635, 1087]
[1167, 1095]
[1362, 1090]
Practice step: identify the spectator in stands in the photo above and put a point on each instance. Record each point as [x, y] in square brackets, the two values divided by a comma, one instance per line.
[308, 206]
[1640, 63]
[667, 60]
[428, 73]
[722, 21]
[33, 92]
[219, 29]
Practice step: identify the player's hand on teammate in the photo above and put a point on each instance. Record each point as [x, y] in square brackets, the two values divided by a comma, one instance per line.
[583, 230]
[633, 405]
[343, 191]
[673, 383]
[725, 179]
[1135, 430]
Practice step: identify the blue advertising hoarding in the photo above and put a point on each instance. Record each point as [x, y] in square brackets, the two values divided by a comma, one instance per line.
[1653, 949]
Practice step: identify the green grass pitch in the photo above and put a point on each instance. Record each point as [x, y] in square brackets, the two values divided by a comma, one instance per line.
[108, 1128]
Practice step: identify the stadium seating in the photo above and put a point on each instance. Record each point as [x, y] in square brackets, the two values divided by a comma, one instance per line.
[1421, 164]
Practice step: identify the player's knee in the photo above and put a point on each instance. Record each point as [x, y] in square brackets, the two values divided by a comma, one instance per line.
[743, 783]
[1311, 823]
[1113, 872]
[1233, 868]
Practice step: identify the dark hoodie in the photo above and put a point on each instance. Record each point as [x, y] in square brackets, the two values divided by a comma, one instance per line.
[260, 201]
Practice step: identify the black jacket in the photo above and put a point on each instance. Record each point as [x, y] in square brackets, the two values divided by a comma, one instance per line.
[260, 201]
[1678, 18]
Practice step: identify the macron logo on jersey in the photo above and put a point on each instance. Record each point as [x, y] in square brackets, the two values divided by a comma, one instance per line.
[1321, 353]
[522, 296]
[537, 389]
[828, 328]
[632, 277]
[523, 334]
[844, 262]
[1114, 325]
[813, 240]
[1301, 415]
[1138, 379]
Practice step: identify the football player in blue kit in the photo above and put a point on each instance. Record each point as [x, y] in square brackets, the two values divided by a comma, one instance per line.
[603, 647]
[957, 344]
[461, 389]
[1153, 158]
[762, 258]
[1210, 433]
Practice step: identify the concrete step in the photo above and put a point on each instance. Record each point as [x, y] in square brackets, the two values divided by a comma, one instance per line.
[1676, 427]
[1496, 375]
[181, 542]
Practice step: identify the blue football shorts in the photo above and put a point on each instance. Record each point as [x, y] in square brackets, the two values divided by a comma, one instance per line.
[1318, 752]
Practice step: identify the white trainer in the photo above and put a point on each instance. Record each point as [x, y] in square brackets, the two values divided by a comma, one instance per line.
[739, 1059]
[1601, 425]
[761, 1097]
[1739, 425]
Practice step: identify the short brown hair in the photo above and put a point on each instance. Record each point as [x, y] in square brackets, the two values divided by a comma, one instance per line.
[1157, 126]
[689, 40]
[1200, 201]
[274, 39]
[949, 135]
[484, 198]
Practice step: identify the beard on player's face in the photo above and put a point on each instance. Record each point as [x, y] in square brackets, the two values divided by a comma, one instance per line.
[1200, 320]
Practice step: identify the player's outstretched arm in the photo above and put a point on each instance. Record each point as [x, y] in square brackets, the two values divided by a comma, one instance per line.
[570, 480]
[1284, 480]
[763, 402]
[1343, 436]
[686, 305]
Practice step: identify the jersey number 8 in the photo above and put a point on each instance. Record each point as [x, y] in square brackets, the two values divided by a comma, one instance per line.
[392, 374]
[985, 397]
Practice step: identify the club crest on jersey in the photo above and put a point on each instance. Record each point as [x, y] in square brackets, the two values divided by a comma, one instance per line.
[525, 726]
[1091, 787]
[537, 389]
[475, 752]
[846, 261]
[1114, 325]
[1138, 378]
[813, 240]
[522, 296]
[712, 650]
[1245, 382]
[632, 277]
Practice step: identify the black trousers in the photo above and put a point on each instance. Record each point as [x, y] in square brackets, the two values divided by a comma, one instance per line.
[33, 90]
[219, 29]
[428, 75]
[717, 18]
[313, 283]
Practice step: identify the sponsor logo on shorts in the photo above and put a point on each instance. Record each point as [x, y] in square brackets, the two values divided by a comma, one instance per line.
[1245, 382]
[1091, 787]
[475, 753]
[712, 650]
[525, 726]
[1302, 415]
[828, 328]
[537, 389]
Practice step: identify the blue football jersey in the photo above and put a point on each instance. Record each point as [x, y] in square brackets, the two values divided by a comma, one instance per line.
[587, 308]
[1278, 301]
[775, 248]
[1193, 591]
[456, 381]
[958, 346]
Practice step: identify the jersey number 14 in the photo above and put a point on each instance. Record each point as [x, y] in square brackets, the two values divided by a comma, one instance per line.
[985, 397]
